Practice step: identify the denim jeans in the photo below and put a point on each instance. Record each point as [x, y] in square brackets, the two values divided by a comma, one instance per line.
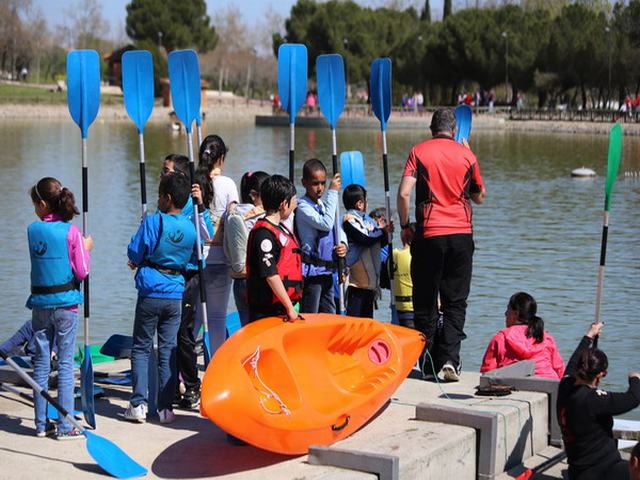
[317, 296]
[360, 302]
[217, 281]
[163, 315]
[240, 296]
[51, 324]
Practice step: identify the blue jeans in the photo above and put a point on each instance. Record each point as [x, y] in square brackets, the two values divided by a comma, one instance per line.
[163, 315]
[317, 295]
[240, 296]
[217, 282]
[51, 324]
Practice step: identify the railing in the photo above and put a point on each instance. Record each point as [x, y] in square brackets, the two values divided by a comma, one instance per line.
[595, 115]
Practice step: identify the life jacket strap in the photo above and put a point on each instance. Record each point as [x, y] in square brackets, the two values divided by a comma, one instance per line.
[318, 262]
[400, 298]
[65, 287]
[161, 269]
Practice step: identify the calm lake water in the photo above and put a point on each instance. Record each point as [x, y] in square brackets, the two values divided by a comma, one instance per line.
[538, 230]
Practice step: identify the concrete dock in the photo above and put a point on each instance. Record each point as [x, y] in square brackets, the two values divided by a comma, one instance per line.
[407, 439]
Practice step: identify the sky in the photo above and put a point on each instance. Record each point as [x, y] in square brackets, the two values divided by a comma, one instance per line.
[114, 10]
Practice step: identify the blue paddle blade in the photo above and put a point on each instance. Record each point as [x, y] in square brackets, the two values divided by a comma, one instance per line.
[184, 78]
[352, 169]
[207, 348]
[137, 85]
[112, 458]
[292, 77]
[463, 123]
[86, 391]
[331, 86]
[83, 87]
[233, 323]
[380, 90]
[52, 413]
[118, 346]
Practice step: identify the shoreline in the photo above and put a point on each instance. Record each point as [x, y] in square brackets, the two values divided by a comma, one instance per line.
[261, 115]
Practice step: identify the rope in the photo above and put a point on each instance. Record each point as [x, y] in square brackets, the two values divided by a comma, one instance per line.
[268, 393]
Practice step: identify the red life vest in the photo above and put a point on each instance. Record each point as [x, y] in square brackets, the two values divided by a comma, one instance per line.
[290, 261]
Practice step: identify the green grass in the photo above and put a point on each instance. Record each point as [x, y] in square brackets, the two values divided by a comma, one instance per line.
[18, 94]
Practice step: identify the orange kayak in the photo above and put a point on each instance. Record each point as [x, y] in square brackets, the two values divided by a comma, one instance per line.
[283, 386]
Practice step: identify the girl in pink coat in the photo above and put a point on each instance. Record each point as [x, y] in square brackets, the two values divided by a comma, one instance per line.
[524, 339]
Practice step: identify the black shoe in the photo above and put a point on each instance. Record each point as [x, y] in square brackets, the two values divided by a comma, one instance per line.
[190, 400]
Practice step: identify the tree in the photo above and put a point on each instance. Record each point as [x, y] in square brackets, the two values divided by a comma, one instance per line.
[85, 26]
[174, 24]
[446, 11]
[425, 16]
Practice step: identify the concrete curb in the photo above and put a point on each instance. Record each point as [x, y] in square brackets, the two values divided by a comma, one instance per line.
[386, 467]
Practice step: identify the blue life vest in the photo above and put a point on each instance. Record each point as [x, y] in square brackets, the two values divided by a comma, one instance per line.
[175, 245]
[53, 284]
[320, 261]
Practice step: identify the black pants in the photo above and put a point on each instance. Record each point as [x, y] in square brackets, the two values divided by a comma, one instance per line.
[360, 302]
[618, 470]
[441, 265]
[186, 353]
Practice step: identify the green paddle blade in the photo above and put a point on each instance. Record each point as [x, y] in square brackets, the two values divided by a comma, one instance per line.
[613, 162]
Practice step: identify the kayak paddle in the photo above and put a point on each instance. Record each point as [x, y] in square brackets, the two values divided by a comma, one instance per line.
[331, 95]
[463, 123]
[52, 413]
[292, 88]
[613, 165]
[184, 77]
[352, 168]
[380, 94]
[137, 89]
[83, 98]
[111, 458]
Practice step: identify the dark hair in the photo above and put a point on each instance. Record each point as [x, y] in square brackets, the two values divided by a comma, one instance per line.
[176, 185]
[443, 120]
[59, 199]
[378, 213]
[312, 165]
[180, 163]
[206, 185]
[275, 190]
[526, 306]
[352, 194]
[251, 181]
[211, 150]
[591, 363]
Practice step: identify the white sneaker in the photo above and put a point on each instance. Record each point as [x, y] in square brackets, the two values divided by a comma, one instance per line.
[166, 415]
[136, 414]
[450, 373]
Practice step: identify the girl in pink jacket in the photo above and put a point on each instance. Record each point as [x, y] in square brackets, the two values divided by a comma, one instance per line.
[524, 339]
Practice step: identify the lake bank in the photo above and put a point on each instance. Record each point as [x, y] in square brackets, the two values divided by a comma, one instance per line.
[260, 113]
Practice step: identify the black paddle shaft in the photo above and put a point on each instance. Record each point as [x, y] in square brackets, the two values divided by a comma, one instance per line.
[196, 214]
[603, 245]
[385, 165]
[85, 211]
[143, 184]
[291, 164]
[341, 260]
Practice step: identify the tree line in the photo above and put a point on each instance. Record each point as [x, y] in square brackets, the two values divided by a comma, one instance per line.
[583, 53]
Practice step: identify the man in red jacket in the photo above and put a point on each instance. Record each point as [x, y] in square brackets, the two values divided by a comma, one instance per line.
[446, 177]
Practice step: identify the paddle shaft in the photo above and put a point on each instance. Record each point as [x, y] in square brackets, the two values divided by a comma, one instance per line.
[336, 223]
[15, 391]
[385, 168]
[199, 133]
[143, 176]
[85, 228]
[39, 390]
[603, 255]
[196, 221]
[292, 148]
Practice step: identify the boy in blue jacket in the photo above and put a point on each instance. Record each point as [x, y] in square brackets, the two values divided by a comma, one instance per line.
[160, 250]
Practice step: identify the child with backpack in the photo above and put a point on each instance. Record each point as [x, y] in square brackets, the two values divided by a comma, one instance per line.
[363, 257]
[238, 221]
[160, 251]
[274, 263]
[59, 262]
[315, 219]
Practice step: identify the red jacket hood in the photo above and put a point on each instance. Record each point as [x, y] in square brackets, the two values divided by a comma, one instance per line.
[525, 347]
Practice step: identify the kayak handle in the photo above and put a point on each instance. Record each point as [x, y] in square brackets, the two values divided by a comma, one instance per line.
[337, 428]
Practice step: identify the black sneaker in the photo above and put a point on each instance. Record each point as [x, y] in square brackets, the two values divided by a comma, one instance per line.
[190, 400]
[450, 372]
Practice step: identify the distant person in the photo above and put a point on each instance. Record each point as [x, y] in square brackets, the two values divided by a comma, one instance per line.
[585, 413]
[311, 102]
[403, 286]
[160, 251]
[238, 222]
[524, 338]
[23, 74]
[446, 177]
[274, 263]
[59, 262]
[366, 239]
[315, 221]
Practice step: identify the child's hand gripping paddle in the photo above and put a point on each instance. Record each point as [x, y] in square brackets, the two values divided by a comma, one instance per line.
[331, 96]
[613, 165]
[83, 98]
[137, 89]
[184, 77]
[111, 458]
[380, 94]
[292, 88]
[463, 122]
